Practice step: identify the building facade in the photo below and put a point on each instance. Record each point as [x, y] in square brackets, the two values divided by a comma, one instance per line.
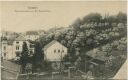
[13, 50]
[17, 45]
[54, 51]
[4, 47]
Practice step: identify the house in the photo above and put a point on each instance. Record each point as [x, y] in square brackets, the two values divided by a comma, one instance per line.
[96, 61]
[4, 46]
[13, 49]
[7, 49]
[31, 35]
[18, 43]
[54, 51]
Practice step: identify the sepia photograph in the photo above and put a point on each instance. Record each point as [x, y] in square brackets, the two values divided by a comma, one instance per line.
[63, 40]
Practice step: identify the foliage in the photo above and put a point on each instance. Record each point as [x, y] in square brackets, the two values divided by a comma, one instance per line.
[38, 57]
[104, 34]
[92, 17]
[24, 58]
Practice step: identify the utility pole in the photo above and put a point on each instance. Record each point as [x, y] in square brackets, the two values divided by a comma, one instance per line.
[85, 65]
[61, 61]
[69, 75]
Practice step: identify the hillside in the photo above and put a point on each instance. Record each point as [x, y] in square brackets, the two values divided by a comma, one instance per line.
[106, 35]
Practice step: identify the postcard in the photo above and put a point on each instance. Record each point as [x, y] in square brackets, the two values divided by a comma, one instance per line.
[63, 40]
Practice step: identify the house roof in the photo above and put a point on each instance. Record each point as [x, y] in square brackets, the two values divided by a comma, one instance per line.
[20, 38]
[51, 43]
[31, 33]
[96, 55]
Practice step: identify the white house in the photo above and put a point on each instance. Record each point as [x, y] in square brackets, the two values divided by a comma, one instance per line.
[4, 46]
[17, 45]
[7, 49]
[13, 50]
[54, 51]
[10, 54]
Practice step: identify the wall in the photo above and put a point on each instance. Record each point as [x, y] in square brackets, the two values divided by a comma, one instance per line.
[55, 56]
[4, 49]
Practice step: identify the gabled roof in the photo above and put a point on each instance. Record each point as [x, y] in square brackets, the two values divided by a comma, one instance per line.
[51, 43]
[20, 38]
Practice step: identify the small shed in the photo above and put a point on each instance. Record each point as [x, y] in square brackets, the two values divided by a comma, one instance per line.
[96, 62]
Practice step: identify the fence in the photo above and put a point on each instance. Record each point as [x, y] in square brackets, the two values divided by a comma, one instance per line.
[67, 75]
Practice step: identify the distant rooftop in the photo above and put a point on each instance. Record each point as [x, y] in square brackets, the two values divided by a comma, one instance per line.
[20, 38]
[31, 33]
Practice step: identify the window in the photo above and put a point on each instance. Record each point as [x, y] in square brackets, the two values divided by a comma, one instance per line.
[17, 42]
[58, 51]
[62, 50]
[54, 51]
[4, 54]
[4, 47]
[17, 47]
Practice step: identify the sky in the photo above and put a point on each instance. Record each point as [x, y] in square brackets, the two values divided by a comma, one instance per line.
[21, 16]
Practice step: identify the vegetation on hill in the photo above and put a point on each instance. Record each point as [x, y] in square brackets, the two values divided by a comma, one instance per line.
[107, 35]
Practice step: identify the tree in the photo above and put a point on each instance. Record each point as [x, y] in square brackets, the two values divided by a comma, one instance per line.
[77, 23]
[122, 17]
[38, 56]
[91, 32]
[24, 56]
[92, 17]
[112, 19]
